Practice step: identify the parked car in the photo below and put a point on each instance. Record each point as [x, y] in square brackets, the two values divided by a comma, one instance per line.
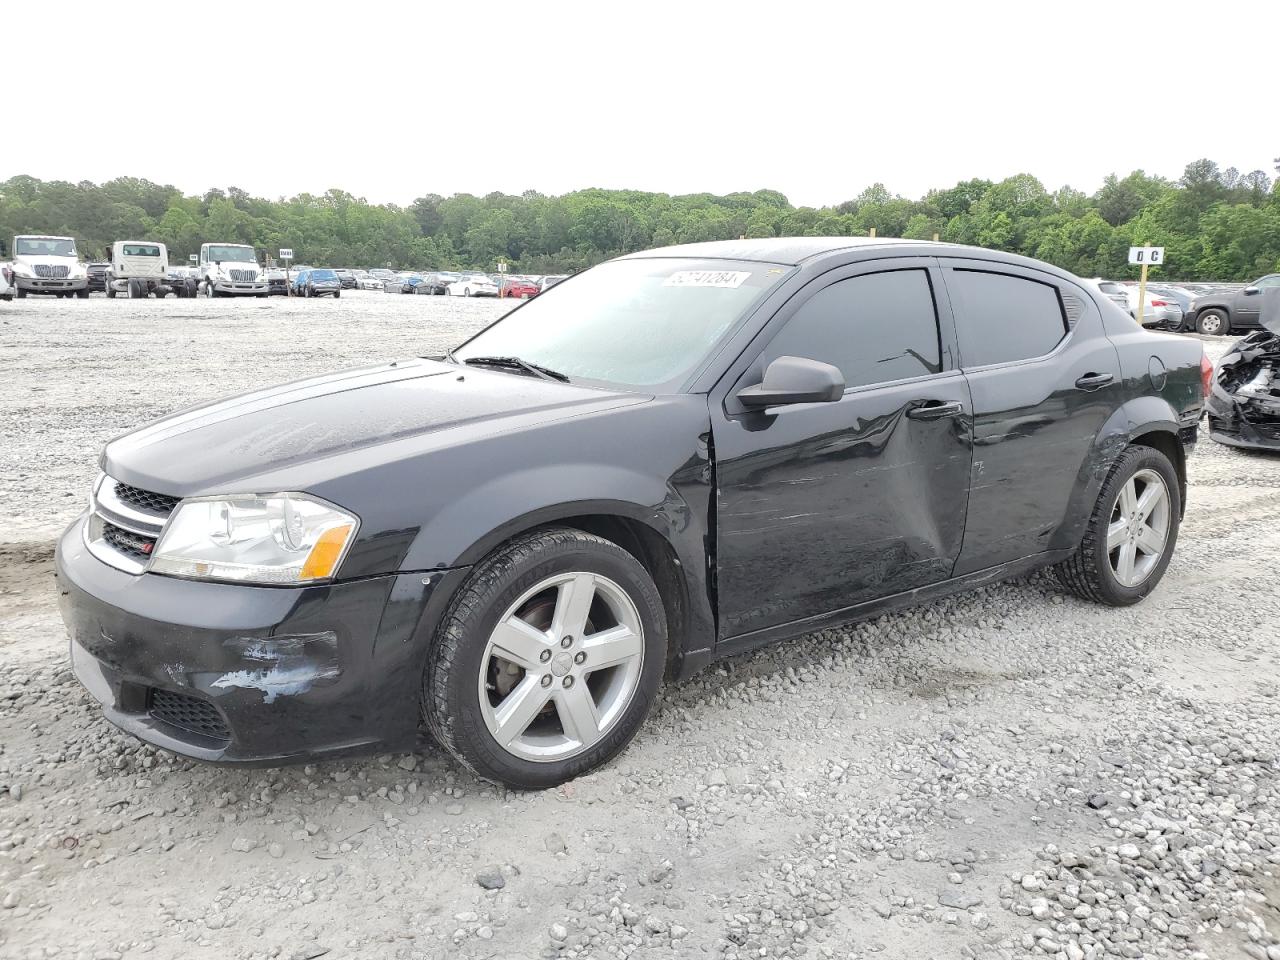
[1223, 312]
[382, 273]
[1158, 311]
[317, 282]
[409, 282]
[97, 276]
[277, 283]
[1112, 290]
[6, 282]
[1244, 405]
[520, 287]
[368, 282]
[346, 278]
[393, 285]
[682, 455]
[1179, 295]
[436, 284]
[473, 285]
[547, 283]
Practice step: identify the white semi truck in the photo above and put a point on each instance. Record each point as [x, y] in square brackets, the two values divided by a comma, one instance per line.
[231, 269]
[48, 265]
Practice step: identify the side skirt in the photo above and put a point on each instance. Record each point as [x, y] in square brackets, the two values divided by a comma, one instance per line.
[897, 601]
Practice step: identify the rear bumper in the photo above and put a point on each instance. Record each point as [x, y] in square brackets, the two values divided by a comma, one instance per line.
[260, 675]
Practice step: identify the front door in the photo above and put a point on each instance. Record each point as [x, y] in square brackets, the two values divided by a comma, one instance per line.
[821, 506]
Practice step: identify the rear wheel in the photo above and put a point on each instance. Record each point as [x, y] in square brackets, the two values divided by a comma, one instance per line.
[1215, 323]
[548, 659]
[337, 294]
[1131, 533]
[108, 289]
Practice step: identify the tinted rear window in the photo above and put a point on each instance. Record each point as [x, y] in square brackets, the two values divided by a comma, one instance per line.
[1002, 317]
[141, 250]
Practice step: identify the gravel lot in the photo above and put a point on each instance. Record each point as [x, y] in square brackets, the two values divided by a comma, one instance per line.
[1007, 773]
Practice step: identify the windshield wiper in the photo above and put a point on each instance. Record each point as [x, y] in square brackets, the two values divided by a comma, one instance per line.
[515, 363]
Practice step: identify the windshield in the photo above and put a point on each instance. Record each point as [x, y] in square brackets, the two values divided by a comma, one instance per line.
[140, 250]
[234, 254]
[639, 323]
[44, 247]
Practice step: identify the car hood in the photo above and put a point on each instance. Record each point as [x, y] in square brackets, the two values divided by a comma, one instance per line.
[220, 447]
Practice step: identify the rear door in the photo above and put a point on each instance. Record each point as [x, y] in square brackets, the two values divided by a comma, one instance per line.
[1044, 378]
[821, 506]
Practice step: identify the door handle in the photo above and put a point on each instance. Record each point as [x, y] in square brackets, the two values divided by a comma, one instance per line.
[1092, 381]
[936, 410]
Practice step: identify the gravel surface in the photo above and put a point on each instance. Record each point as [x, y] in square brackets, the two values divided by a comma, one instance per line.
[1007, 773]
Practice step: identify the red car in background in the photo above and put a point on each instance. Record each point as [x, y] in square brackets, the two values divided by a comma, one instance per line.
[519, 287]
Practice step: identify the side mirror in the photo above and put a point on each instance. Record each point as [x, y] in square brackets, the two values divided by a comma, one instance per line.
[794, 380]
[1250, 291]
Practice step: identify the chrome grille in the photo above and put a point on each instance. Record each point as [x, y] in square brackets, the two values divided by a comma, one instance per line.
[244, 276]
[158, 503]
[47, 272]
[130, 544]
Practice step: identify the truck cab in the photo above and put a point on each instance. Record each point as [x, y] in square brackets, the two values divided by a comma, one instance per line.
[48, 265]
[231, 269]
[138, 268]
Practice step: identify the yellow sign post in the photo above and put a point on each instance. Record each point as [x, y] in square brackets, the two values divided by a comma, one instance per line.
[1146, 257]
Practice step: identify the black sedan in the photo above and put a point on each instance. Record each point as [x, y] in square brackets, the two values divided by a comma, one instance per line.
[672, 457]
[315, 282]
[97, 274]
[346, 278]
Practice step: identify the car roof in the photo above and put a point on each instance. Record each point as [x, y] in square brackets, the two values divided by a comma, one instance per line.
[787, 250]
[794, 251]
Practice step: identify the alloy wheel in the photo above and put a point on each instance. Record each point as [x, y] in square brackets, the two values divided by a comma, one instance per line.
[1139, 527]
[561, 667]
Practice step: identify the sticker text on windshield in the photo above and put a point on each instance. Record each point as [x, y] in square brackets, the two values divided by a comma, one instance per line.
[706, 278]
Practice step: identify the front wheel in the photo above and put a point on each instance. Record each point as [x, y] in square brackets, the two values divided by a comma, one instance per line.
[1215, 323]
[548, 659]
[1131, 533]
[337, 294]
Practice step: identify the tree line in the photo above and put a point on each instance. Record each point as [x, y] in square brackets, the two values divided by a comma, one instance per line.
[1215, 224]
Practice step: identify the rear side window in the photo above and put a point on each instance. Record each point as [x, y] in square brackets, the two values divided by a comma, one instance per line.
[1004, 318]
[876, 328]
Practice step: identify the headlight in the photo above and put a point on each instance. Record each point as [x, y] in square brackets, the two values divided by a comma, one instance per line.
[285, 539]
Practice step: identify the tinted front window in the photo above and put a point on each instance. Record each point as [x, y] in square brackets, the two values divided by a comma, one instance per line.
[876, 328]
[234, 254]
[642, 323]
[44, 247]
[1003, 317]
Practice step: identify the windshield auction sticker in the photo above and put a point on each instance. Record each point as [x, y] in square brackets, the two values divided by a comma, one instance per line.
[706, 278]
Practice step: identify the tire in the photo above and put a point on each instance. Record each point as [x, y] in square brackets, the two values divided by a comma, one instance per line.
[109, 290]
[337, 294]
[1092, 572]
[21, 293]
[83, 294]
[160, 293]
[209, 292]
[466, 291]
[1214, 322]
[461, 659]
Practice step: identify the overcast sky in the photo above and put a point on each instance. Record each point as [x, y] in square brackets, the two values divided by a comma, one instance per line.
[817, 100]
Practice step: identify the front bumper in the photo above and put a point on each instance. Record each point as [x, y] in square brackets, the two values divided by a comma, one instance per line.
[41, 285]
[230, 286]
[258, 674]
[1232, 423]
